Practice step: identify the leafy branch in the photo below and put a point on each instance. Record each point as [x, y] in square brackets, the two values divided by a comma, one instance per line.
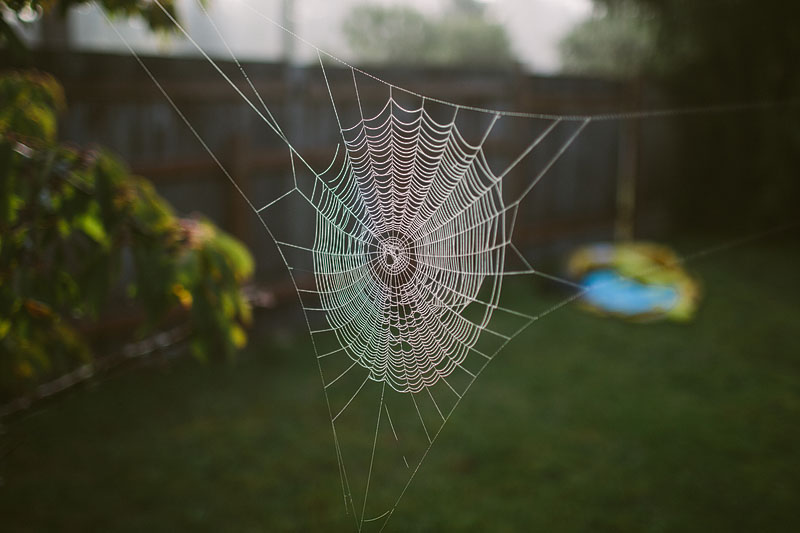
[79, 235]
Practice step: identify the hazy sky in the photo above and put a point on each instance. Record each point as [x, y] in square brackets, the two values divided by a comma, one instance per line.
[534, 26]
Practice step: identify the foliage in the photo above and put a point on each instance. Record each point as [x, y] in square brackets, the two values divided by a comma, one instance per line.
[740, 168]
[618, 41]
[23, 10]
[734, 169]
[75, 225]
[147, 9]
[747, 41]
[462, 35]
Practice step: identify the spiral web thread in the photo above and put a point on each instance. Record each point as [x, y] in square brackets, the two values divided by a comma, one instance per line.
[409, 250]
[412, 240]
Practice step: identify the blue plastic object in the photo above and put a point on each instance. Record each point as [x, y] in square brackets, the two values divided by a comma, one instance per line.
[611, 291]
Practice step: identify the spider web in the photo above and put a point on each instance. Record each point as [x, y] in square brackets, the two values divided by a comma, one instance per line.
[401, 279]
[409, 252]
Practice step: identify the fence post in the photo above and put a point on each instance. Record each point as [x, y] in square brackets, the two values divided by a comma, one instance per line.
[238, 165]
[628, 168]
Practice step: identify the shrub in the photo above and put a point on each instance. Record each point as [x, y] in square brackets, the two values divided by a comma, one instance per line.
[78, 233]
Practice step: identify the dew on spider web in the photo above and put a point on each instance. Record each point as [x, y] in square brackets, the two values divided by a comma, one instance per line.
[401, 278]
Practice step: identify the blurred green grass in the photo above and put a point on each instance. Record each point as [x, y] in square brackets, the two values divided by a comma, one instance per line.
[581, 424]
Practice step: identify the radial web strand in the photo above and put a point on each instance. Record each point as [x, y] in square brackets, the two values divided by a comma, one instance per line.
[401, 245]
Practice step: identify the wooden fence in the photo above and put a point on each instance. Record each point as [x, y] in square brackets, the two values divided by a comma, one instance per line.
[613, 175]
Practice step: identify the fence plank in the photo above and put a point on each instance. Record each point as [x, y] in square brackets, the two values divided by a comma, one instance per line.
[112, 101]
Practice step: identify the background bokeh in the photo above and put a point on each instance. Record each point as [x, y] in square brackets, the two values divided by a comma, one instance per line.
[584, 423]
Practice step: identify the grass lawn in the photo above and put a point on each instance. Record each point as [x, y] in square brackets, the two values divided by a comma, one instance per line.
[581, 424]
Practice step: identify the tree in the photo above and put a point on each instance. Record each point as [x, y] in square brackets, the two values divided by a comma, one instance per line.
[79, 233]
[616, 41]
[463, 35]
[69, 218]
[743, 166]
[24, 11]
[734, 168]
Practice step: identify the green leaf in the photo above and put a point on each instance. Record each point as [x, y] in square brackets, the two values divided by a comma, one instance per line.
[92, 226]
